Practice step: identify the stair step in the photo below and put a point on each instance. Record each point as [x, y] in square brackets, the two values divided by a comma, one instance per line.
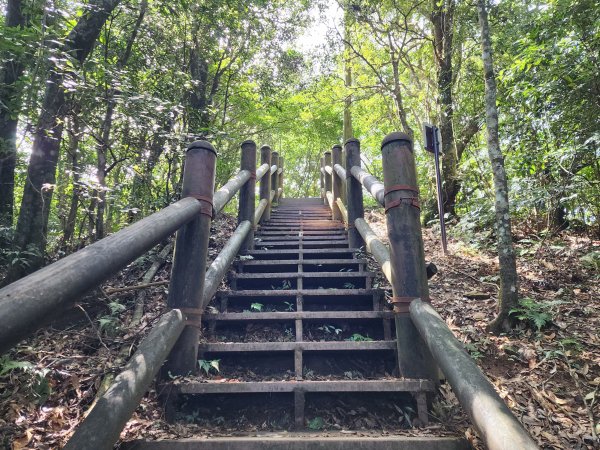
[322, 262]
[298, 236]
[268, 276]
[238, 387]
[293, 253]
[304, 292]
[298, 315]
[291, 245]
[305, 441]
[308, 346]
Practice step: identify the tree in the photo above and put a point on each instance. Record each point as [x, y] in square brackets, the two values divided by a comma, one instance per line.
[10, 96]
[31, 231]
[509, 295]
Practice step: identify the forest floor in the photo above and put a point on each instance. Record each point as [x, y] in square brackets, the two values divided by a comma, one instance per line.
[549, 377]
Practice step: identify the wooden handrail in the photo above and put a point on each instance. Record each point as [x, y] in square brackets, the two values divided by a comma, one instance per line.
[371, 184]
[26, 304]
[218, 269]
[102, 427]
[262, 171]
[340, 171]
[420, 331]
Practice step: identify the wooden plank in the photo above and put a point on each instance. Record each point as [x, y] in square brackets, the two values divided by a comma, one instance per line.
[295, 315]
[386, 385]
[317, 346]
[305, 292]
[270, 276]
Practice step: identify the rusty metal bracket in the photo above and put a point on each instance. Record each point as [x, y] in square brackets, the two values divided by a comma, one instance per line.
[412, 201]
[403, 304]
[194, 315]
[206, 205]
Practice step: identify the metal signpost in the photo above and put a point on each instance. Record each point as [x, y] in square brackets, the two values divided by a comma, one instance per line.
[432, 144]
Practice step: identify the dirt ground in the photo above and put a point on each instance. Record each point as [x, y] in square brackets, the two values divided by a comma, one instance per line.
[547, 371]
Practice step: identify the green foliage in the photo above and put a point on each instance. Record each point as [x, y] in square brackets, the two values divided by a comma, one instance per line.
[316, 423]
[258, 307]
[8, 365]
[591, 260]
[357, 337]
[209, 366]
[538, 314]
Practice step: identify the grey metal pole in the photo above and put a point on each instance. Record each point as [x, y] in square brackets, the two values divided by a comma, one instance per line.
[336, 181]
[265, 182]
[275, 176]
[247, 192]
[191, 251]
[409, 278]
[327, 162]
[354, 194]
[438, 178]
[280, 183]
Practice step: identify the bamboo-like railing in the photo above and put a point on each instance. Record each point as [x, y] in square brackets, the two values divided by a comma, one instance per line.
[424, 340]
[26, 304]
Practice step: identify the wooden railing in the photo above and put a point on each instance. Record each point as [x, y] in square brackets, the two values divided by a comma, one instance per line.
[424, 340]
[26, 305]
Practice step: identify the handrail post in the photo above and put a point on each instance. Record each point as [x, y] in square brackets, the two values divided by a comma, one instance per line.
[336, 182]
[327, 161]
[275, 176]
[191, 250]
[354, 194]
[280, 180]
[322, 179]
[407, 256]
[247, 203]
[265, 182]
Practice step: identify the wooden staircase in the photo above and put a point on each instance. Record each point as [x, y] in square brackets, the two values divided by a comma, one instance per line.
[303, 342]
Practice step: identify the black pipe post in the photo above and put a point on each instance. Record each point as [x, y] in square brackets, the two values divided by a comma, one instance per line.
[191, 250]
[322, 179]
[265, 182]
[440, 197]
[280, 181]
[275, 175]
[354, 194]
[328, 182]
[248, 192]
[407, 256]
[336, 182]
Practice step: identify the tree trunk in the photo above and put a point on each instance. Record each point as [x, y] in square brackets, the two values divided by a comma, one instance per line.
[347, 131]
[10, 72]
[103, 146]
[508, 296]
[442, 19]
[69, 227]
[41, 174]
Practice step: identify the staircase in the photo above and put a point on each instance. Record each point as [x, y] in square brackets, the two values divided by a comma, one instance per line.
[303, 343]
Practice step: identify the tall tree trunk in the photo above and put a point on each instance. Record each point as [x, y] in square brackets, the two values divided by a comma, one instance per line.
[348, 132]
[41, 174]
[75, 133]
[103, 146]
[11, 70]
[509, 295]
[442, 19]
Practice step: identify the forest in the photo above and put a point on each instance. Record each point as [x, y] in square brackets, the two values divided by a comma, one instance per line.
[99, 99]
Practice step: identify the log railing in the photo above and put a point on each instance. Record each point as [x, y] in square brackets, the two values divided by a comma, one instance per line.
[424, 340]
[26, 305]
